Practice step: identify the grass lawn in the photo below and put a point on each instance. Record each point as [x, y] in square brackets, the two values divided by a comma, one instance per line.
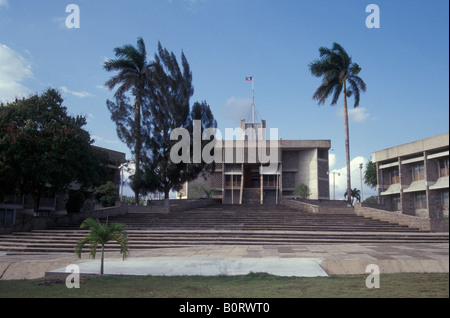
[254, 285]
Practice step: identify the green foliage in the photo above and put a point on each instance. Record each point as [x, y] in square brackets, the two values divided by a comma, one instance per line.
[209, 193]
[100, 234]
[302, 191]
[134, 73]
[336, 68]
[371, 200]
[370, 175]
[199, 191]
[339, 74]
[106, 194]
[355, 194]
[170, 95]
[131, 200]
[43, 149]
[162, 92]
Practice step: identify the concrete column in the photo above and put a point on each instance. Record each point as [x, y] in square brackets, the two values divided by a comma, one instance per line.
[261, 185]
[223, 176]
[431, 176]
[379, 182]
[242, 184]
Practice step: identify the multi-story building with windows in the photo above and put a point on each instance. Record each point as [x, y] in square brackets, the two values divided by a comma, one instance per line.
[413, 178]
[238, 178]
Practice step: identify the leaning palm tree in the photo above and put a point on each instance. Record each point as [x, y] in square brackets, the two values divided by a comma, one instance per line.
[339, 74]
[100, 234]
[134, 72]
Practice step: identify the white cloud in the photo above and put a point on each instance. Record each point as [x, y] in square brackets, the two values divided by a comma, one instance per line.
[89, 117]
[104, 140]
[60, 22]
[74, 93]
[331, 161]
[341, 178]
[236, 109]
[102, 87]
[356, 115]
[14, 69]
[189, 4]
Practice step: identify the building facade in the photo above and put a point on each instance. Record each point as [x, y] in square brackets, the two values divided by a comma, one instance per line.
[17, 204]
[241, 176]
[413, 178]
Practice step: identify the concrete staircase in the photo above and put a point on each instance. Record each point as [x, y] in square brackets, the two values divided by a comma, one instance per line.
[251, 196]
[227, 225]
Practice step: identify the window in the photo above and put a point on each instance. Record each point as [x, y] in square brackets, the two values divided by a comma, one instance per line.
[394, 176]
[443, 168]
[444, 198]
[270, 180]
[233, 181]
[418, 171]
[6, 217]
[420, 200]
[396, 203]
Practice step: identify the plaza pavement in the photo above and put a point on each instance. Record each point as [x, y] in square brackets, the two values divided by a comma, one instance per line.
[304, 260]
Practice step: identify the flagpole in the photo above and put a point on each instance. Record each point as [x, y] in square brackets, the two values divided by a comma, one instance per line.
[253, 99]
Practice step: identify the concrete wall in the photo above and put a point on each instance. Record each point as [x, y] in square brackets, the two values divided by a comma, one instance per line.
[411, 148]
[190, 204]
[317, 209]
[27, 222]
[307, 171]
[424, 224]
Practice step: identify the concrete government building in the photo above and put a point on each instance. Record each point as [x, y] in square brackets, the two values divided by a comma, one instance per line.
[239, 179]
[413, 178]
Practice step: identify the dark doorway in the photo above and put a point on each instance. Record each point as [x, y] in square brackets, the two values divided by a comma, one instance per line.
[251, 176]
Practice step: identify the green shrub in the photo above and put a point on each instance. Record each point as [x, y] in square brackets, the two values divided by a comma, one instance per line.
[371, 200]
[106, 194]
[302, 191]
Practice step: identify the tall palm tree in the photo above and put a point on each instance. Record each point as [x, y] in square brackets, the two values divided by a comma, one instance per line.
[133, 76]
[100, 234]
[339, 74]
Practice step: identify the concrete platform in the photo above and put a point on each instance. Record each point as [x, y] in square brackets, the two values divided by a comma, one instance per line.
[202, 266]
[286, 260]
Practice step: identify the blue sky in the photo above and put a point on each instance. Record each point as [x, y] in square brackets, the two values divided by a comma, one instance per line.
[405, 62]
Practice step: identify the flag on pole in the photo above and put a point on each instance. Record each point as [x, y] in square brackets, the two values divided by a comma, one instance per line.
[250, 78]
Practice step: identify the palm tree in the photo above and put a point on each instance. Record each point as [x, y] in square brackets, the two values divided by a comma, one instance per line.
[134, 72]
[336, 68]
[354, 194]
[100, 234]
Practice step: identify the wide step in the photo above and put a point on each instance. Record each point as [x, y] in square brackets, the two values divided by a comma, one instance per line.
[226, 225]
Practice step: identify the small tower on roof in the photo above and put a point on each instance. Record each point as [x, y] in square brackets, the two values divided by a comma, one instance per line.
[253, 130]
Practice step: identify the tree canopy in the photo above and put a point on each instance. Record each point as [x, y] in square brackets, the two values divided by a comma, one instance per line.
[43, 149]
[133, 76]
[370, 175]
[165, 106]
[339, 75]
